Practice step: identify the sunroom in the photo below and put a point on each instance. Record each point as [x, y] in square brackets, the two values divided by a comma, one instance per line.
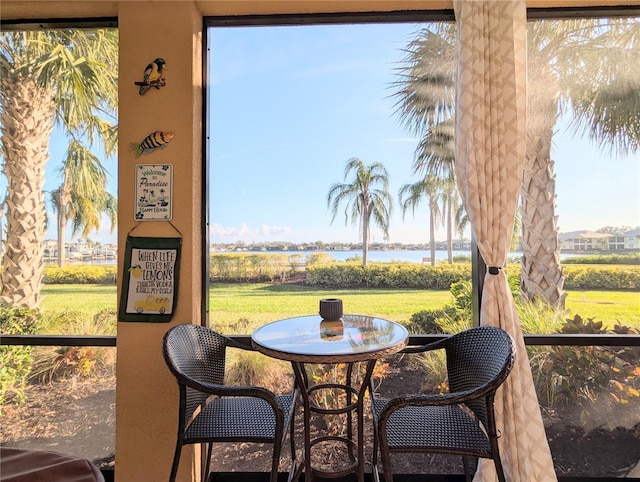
[228, 80]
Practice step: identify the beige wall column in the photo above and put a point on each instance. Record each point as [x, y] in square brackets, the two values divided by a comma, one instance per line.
[147, 394]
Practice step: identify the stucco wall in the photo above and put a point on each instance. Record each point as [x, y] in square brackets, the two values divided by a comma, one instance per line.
[147, 395]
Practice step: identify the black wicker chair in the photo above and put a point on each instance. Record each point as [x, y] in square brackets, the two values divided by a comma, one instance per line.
[460, 422]
[196, 357]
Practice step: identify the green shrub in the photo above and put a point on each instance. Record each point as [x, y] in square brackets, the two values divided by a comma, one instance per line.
[452, 318]
[252, 368]
[425, 322]
[319, 258]
[321, 270]
[581, 277]
[629, 258]
[537, 317]
[83, 361]
[585, 374]
[80, 274]
[387, 275]
[462, 258]
[15, 361]
[434, 366]
[245, 267]
[335, 275]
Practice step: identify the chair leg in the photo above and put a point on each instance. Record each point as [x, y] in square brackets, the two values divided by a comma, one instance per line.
[495, 454]
[374, 455]
[465, 465]
[275, 459]
[385, 454]
[176, 462]
[499, 469]
[207, 465]
[292, 433]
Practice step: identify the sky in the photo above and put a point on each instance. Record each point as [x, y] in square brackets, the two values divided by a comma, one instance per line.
[289, 106]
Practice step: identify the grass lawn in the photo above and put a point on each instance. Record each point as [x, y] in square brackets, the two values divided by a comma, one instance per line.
[231, 304]
[610, 307]
[83, 298]
[262, 303]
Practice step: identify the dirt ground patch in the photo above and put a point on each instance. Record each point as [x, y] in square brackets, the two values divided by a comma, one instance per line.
[77, 417]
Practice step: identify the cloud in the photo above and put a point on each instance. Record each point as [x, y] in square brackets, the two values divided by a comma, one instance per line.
[217, 230]
[244, 233]
[267, 230]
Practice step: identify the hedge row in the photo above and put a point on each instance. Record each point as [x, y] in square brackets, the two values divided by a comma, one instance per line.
[628, 258]
[602, 277]
[441, 276]
[277, 267]
[80, 274]
[254, 267]
[387, 275]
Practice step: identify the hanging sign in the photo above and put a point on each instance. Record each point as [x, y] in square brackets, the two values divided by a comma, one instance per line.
[149, 287]
[154, 192]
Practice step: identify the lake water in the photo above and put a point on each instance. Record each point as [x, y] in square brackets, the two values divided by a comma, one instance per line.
[411, 256]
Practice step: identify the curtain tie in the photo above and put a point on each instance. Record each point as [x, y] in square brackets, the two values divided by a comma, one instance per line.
[494, 270]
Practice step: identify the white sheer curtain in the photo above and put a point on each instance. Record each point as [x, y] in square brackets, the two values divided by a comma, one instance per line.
[490, 154]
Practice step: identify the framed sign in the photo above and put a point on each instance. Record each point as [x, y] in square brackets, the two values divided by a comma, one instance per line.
[154, 192]
[149, 285]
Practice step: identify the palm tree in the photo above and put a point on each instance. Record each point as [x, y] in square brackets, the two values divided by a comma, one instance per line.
[450, 199]
[460, 219]
[435, 155]
[426, 85]
[82, 196]
[582, 61]
[64, 77]
[363, 199]
[410, 196]
[575, 67]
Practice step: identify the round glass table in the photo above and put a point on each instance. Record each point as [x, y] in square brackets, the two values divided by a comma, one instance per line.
[310, 340]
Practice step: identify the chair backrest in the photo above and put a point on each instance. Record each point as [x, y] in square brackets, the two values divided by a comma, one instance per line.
[194, 353]
[480, 356]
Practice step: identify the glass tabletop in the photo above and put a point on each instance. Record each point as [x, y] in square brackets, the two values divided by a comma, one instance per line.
[310, 338]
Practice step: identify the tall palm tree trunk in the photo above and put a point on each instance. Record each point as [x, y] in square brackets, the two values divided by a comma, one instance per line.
[365, 237]
[449, 211]
[27, 123]
[541, 274]
[64, 198]
[432, 236]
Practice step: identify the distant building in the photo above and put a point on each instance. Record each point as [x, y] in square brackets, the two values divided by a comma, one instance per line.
[591, 241]
[632, 239]
[584, 241]
[462, 244]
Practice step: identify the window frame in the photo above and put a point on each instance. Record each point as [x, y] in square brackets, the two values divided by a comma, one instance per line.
[59, 339]
[478, 267]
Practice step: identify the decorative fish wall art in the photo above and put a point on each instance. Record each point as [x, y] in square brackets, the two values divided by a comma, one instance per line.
[155, 140]
[153, 76]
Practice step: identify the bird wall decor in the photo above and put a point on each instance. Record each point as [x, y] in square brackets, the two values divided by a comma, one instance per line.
[155, 140]
[153, 76]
